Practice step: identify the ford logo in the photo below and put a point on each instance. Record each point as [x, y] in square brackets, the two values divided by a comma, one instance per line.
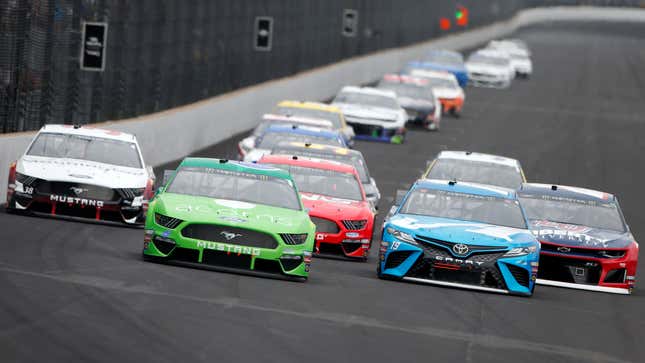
[460, 249]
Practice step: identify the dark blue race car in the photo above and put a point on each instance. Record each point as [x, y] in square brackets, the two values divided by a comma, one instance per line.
[460, 234]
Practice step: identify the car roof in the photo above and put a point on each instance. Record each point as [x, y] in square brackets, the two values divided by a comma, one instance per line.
[321, 148]
[233, 165]
[318, 122]
[369, 91]
[565, 191]
[405, 79]
[308, 162]
[302, 130]
[426, 73]
[310, 105]
[88, 131]
[466, 188]
[479, 157]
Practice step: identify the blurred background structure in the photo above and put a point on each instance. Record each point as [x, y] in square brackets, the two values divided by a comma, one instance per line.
[161, 54]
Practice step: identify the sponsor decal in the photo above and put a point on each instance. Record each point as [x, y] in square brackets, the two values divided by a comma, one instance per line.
[322, 198]
[320, 236]
[239, 250]
[76, 200]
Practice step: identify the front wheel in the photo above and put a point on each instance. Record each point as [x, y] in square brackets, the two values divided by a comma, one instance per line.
[455, 113]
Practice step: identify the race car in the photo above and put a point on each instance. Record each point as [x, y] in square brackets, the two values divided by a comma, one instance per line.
[417, 99]
[443, 60]
[274, 134]
[586, 243]
[374, 114]
[445, 87]
[84, 173]
[519, 57]
[248, 143]
[340, 154]
[490, 70]
[333, 195]
[477, 168]
[319, 111]
[230, 216]
[456, 234]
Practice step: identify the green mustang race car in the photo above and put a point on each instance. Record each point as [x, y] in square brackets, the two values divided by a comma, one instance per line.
[230, 216]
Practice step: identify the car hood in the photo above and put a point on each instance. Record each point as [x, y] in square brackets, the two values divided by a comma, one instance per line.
[82, 171]
[574, 235]
[486, 68]
[334, 208]
[368, 112]
[458, 231]
[415, 103]
[230, 212]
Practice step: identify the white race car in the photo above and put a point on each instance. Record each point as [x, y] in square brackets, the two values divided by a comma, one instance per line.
[374, 114]
[490, 69]
[248, 143]
[82, 173]
[520, 57]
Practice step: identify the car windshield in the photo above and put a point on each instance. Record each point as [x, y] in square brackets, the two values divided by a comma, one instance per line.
[353, 159]
[313, 113]
[271, 139]
[490, 60]
[447, 58]
[325, 182]
[466, 207]
[588, 213]
[477, 172]
[97, 149]
[233, 185]
[366, 100]
[407, 90]
[259, 129]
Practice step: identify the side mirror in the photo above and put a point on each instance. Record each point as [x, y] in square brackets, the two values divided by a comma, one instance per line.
[167, 175]
[400, 195]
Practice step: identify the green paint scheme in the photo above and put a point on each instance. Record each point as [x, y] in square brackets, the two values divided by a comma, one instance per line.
[231, 214]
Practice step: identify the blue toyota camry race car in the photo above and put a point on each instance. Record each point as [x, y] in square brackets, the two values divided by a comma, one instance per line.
[460, 234]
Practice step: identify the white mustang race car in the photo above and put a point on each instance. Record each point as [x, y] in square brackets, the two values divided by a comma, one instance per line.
[82, 173]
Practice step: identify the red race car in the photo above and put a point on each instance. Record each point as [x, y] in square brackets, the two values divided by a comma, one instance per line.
[334, 196]
[585, 242]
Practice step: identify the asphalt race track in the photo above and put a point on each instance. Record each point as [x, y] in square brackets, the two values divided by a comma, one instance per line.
[80, 292]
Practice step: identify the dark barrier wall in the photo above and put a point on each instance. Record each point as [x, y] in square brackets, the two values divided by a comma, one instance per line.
[166, 53]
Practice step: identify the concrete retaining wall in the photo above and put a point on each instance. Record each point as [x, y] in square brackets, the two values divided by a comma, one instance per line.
[170, 135]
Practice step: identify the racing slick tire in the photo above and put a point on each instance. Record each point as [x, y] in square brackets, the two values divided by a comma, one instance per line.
[455, 113]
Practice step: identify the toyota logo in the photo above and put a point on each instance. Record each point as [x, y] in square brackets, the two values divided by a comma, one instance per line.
[564, 249]
[460, 249]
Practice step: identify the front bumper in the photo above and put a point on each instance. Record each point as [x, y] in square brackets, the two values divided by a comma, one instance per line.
[489, 272]
[113, 210]
[378, 133]
[452, 104]
[352, 244]
[579, 270]
[284, 261]
[488, 80]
